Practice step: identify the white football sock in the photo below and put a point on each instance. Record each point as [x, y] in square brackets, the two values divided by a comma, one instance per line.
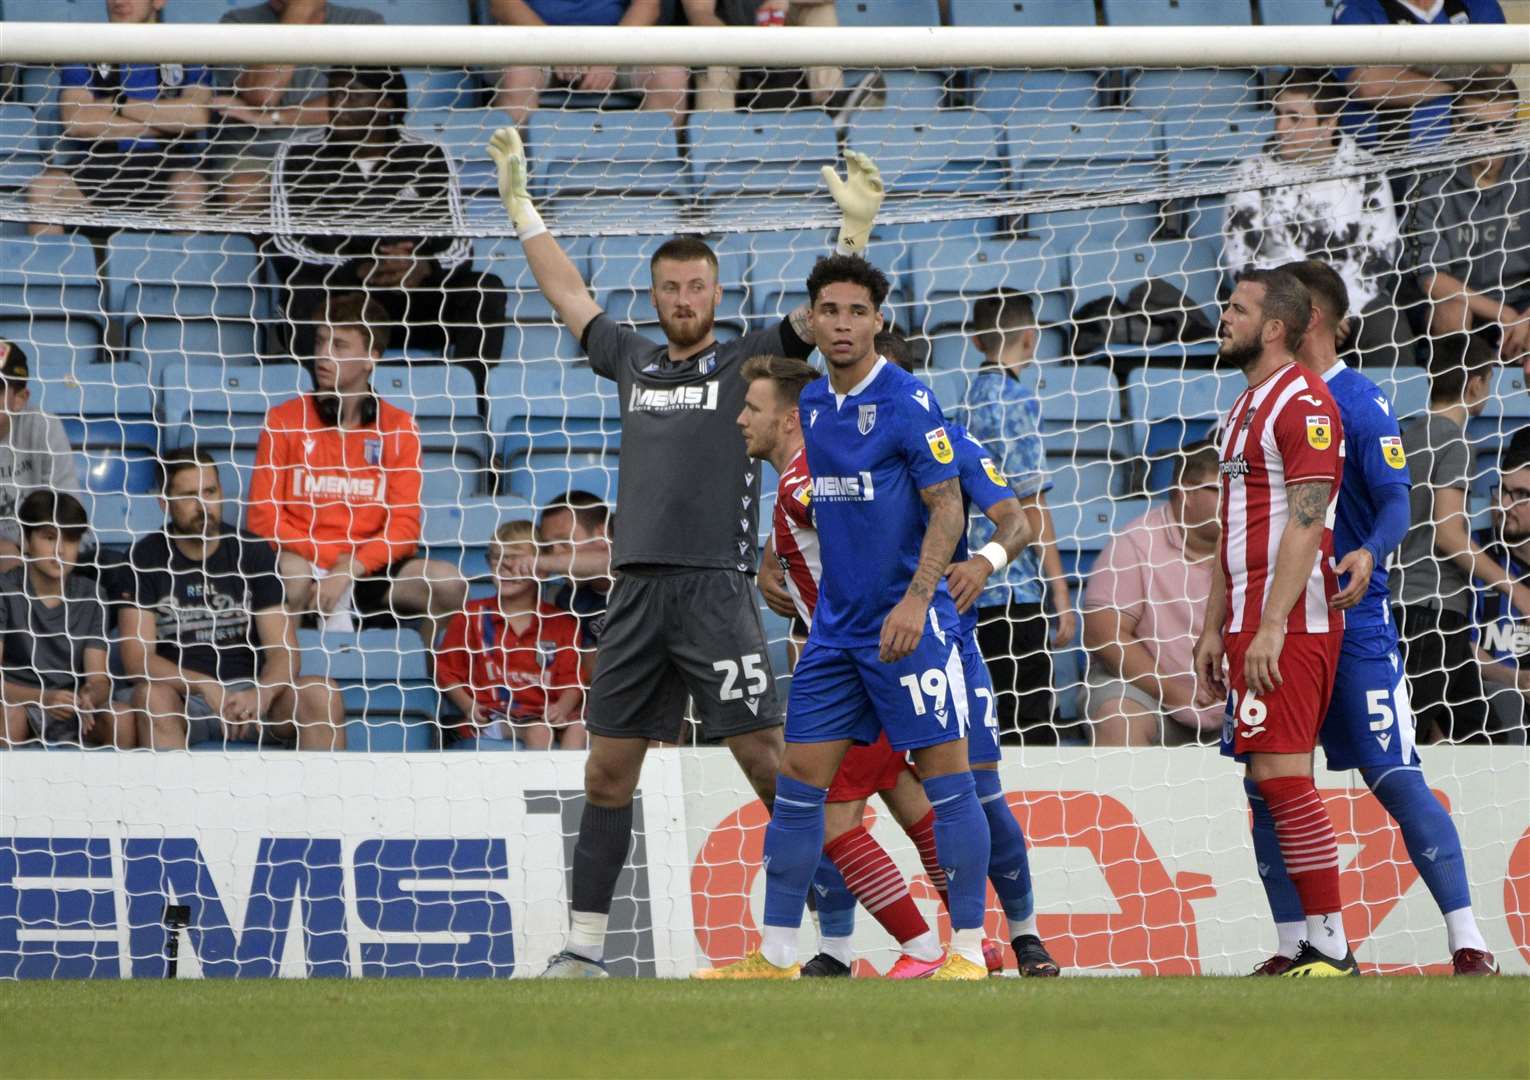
[780, 945]
[1023, 927]
[1325, 933]
[969, 943]
[587, 934]
[1291, 936]
[1461, 929]
[925, 947]
[837, 947]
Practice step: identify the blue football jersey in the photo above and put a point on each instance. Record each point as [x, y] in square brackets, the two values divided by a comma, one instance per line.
[870, 453]
[982, 486]
[1373, 459]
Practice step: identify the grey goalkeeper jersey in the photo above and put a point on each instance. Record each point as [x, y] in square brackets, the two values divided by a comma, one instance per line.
[687, 493]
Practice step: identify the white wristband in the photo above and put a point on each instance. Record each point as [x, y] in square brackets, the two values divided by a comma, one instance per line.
[843, 248]
[530, 223]
[994, 552]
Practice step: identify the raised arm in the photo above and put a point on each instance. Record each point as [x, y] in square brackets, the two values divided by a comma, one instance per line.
[556, 276]
[858, 194]
[1294, 558]
[904, 625]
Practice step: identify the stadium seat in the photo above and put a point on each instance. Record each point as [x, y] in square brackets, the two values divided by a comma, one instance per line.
[459, 533]
[1065, 233]
[21, 157]
[950, 389]
[82, 11]
[390, 701]
[1177, 13]
[1008, 94]
[1021, 13]
[888, 12]
[628, 154]
[1206, 143]
[444, 88]
[444, 403]
[778, 281]
[49, 275]
[119, 391]
[1297, 12]
[1171, 409]
[532, 343]
[934, 152]
[1407, 388]
[218, 343]
[1115, 272]
[118, 520]
[1084, 530]
[1080, 410]
[1195, 93]
[761, 153]
[1100, 150]
[465, 135]
[551, 417]
[505, 257]
[622, 282]
[55, 345]
[549, 388]
[164, 275]
[1078, 479]
[224, 408]
[947, 276]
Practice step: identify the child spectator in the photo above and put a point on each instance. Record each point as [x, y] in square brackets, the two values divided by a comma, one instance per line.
[1143, 613]
[1431, 579]
[132, 134]
[510, 662]
[34, 451]
[574, 546]
[1005, 415]
[337, 487]
[204, 628]
[1470, 230]
[1503, 628]
[53, 680]
[1278, 214]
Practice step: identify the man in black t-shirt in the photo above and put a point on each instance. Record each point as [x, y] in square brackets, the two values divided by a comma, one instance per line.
[203, 626]
[683, 623]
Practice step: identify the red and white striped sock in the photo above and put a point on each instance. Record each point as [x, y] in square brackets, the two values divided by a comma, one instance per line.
[1311, 853]
[922, 833]
[877, 883]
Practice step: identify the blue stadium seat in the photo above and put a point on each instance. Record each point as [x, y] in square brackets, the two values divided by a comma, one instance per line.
[444, 88]
[1080, 409]
[55, 345]
[622, 282]
[459, 533]
[1021, 13]
[1065, 233]
[945, 151]
[163, 275]
[49, 275]
[1171, 409]
[1178, 13]
[118, 520]
[627, 154]
[222, 408]
[1214, 142]
[444, 403]
[950, 389]
[158, 343]
[1407, 388]
[552, 481]
[1077, 479]
[390, 702]
[758, 153]
[1195, 93]
[1084, 530]
[119, 391]
[947, 276]
[81, 11]
[21, 157]
[888, 12]
[1008, 94]
[532, 343]
[1507, 411]
[551, 417]
[551, 389]
[1092, 149]
[1297, 12]
[778, 281]
[505, 257]
[1115, 272]
[465, 135]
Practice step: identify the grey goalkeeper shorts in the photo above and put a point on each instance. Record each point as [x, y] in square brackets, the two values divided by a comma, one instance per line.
[678, 635]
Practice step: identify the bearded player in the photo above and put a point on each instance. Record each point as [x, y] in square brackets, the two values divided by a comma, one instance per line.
[1369, 725]
[1270, 614]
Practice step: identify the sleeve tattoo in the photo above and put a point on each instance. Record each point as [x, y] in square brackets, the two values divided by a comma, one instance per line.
[1308, 502]
[944, 502]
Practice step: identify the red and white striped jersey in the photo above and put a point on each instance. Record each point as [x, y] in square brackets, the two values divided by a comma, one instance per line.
[1283, 431]
[796, 538]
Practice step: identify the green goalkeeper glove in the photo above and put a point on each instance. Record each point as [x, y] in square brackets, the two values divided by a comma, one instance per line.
[859, 196]
[509, 155]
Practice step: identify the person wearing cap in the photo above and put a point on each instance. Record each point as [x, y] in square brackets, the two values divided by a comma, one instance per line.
[34, 451]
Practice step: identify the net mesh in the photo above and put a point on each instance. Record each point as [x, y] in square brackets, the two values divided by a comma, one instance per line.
[191, 253]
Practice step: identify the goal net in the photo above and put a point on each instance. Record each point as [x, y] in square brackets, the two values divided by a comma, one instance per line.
[1059, 242]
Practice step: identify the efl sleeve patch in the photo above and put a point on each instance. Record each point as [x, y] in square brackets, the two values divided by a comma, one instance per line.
[1392, 452]
[993, 473]
[1319, 432]
[940, 445]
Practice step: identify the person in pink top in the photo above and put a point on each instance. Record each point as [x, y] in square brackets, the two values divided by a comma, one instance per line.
[1143, 610]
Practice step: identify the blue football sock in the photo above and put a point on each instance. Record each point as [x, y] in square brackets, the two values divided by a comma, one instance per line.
[793, 849]
[1285, 902]
[1431, 838]
[836, 903]
[1009, 868]
[961, 843]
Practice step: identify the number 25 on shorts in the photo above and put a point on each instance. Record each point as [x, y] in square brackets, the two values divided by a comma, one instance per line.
[753, 667]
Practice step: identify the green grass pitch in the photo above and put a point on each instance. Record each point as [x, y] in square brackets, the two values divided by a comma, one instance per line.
[1381, 1027]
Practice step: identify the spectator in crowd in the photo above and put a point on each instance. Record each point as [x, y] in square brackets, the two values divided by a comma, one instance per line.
[662, 89]
[510, 662]
[719, 88]
[574, 546]
[269, 103]
[1431, 579]
[1470, 229]
[34, 451]
[1503, 627]
[337, 487]
[1347, 220]
[1396, 103]
[1143, 612]
[1004, 414]
[364, 170]
[53, 680]
[132, 134]
[205, 632]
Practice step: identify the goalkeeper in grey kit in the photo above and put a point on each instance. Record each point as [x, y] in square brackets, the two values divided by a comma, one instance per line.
[683, 621]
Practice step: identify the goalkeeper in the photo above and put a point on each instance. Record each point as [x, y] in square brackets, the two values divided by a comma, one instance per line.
[682, 621]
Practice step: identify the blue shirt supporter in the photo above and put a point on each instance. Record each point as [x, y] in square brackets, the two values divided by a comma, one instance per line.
[134, 83]
[1003, 413]
[871, 452]
[1499, 622]
[1372, 509]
